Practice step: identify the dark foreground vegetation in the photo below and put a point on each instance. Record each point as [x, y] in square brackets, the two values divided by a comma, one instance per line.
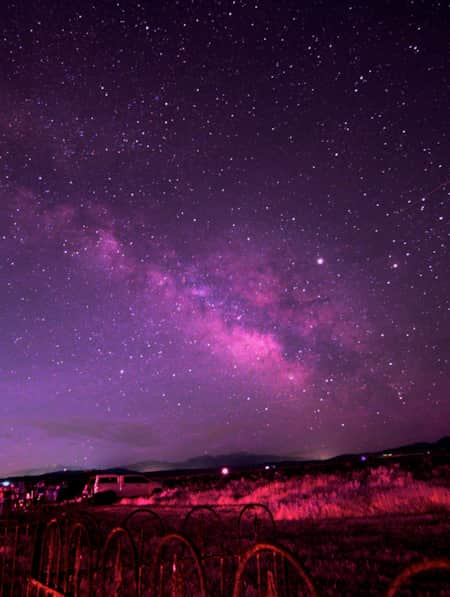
[348, 528]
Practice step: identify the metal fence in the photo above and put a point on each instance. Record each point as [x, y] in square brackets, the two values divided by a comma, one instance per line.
[80, 555]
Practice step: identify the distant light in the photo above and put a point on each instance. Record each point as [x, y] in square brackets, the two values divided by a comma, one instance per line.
[363, 458]
[320, 261]
[6, 483]
[225, 471]
[267, 467]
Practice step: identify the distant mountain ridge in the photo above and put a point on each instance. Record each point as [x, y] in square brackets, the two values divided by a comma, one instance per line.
[208, 461]
[237, 460]
[441, 444]
[243, 459]
[247, 459]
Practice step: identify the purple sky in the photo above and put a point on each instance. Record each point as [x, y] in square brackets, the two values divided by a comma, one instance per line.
[222, 229]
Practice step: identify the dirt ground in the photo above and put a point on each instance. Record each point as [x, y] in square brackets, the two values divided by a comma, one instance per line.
[352, 556]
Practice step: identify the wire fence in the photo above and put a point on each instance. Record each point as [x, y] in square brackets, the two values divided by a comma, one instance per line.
[215, 552]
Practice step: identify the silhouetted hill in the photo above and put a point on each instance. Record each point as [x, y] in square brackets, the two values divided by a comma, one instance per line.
[442, 444]
[234, 460]
[239, 459]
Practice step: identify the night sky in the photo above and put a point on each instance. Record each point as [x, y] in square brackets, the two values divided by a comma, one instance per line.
[222, 229]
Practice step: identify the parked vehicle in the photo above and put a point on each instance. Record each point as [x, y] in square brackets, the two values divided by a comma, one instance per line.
[130, 485]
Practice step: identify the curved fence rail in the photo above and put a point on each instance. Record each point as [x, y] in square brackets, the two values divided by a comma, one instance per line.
[264, 569]
[177, 568]
[119, 567]
[255, 524]
[211, 554]
[415, 569]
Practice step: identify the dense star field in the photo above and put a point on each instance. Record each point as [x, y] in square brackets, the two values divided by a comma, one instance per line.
[222, 229]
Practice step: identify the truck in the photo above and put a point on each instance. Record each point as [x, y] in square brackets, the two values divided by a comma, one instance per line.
[128, 485]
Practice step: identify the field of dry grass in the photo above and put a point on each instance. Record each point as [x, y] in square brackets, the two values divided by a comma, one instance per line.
[353, 529]
[374, 491]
